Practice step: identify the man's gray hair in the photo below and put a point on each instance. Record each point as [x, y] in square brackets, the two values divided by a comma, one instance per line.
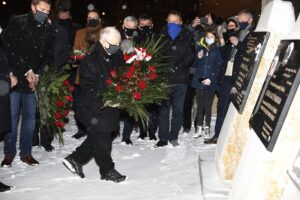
[109, 32]
[130, 19]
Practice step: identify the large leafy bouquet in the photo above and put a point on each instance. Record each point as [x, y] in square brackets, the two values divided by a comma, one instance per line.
[54, 95]
[141, 82]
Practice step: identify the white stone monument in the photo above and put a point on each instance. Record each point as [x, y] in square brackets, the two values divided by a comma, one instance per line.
[261, 174]
[278, 19]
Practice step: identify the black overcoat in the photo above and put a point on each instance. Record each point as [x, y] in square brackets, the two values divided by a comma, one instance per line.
[5, 115]
[95, 69]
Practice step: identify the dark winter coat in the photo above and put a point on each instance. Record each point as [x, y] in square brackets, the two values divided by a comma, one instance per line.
[61, 47]
[5, 115]
[94, 71]
[28, 46]
[208, 66]
[71, 29]
[226, 53]
[180, 53]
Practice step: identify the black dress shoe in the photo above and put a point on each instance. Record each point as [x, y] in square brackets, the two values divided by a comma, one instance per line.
[114, 175]
[186, 130]
[127, 141]
[5, 188]
[161, 143]
[142, 137]
[79, 135]
[73, 166]
[211, 141]
[48, 148]
[152, 137]
[29, 160]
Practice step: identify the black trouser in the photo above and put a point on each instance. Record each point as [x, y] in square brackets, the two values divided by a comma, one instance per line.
[187, 108]
[98, 145]
[223, 103]
[45, 137]
[204, 102]
[128, 127]
[76, 93]
[153, 110]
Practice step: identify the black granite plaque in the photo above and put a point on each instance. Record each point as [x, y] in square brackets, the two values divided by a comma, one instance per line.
[277, 93]
[256, 44]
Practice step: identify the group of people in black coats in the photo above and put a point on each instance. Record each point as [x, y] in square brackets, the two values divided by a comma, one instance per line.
[202, 60]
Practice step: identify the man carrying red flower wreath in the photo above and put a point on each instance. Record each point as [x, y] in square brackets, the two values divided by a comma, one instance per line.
[101, 118]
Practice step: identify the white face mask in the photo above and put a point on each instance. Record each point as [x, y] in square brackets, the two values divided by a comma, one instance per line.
[209, 41]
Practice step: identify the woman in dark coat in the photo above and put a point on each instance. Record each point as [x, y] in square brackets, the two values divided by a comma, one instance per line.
[6, 82]
[205, 79]
[100, 118]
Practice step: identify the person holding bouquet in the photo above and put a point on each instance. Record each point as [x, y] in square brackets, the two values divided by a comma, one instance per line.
[205, 80]
[27, 41]
[100, 118]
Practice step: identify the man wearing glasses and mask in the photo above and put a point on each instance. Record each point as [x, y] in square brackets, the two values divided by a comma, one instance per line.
[100, 118]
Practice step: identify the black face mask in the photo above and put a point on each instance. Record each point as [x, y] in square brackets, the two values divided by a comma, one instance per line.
[65, 22]
[93, 23]
[145, 30]
[40, 16]
[112, 49]
[130, 32]
[228, 34]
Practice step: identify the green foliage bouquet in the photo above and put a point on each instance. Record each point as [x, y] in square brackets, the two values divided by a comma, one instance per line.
[54, 96]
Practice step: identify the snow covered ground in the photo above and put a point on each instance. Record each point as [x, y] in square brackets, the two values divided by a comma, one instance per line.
[165, 173]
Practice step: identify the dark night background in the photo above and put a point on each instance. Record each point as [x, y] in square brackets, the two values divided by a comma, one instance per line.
[115, 12]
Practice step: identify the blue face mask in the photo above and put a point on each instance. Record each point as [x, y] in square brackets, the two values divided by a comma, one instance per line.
[243, 25]
[174, 30]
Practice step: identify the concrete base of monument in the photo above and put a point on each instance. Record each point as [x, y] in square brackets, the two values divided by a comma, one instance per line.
[291, 191]
[212, 186]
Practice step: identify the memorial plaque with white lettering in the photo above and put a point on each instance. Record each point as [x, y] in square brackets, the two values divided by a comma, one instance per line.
[251, 58]
[277, 93]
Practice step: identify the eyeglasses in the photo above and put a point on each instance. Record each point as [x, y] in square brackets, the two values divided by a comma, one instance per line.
[113, 44]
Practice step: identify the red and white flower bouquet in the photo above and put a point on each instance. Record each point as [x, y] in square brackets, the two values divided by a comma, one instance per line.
[141, 82]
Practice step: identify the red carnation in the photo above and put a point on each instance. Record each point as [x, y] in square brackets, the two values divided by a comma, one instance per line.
[118, 88]
[59, 103]
[153, 76]
[72, 88]
[131, 69]
[151, 68]
[57, 124]
[69, 98]
[142, 85]
[108, 81]
[113, 73]
[57, 115]
[66, 82]
[129, 75]
[66, 112]
[138, 63]
[61, 124]
[137, 96]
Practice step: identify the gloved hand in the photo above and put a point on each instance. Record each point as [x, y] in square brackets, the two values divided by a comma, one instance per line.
[111, 104]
